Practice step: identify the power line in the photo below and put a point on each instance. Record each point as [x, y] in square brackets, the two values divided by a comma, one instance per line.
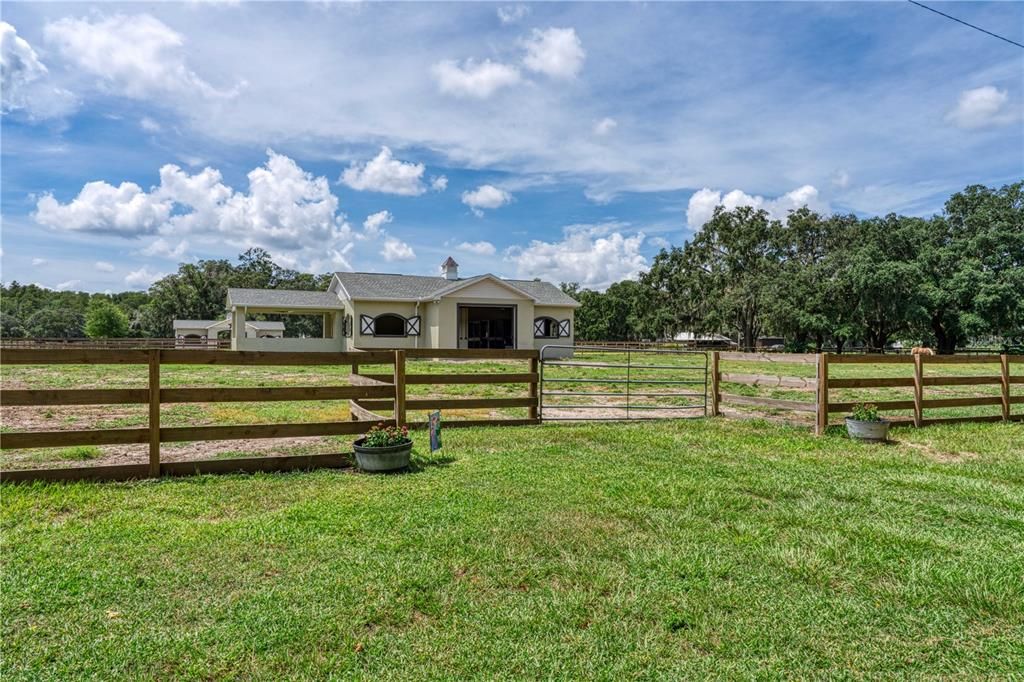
[961, 21]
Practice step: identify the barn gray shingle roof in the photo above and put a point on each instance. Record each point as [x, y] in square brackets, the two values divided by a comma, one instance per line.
[283, 298]
[371, 285]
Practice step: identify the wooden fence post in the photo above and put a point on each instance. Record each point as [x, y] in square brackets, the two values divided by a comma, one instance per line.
[399, 388]
[715, 388]
[351, 413]
[534, 392]
[154, 413]
[918, 389]
[1004, 375]
[821, 413]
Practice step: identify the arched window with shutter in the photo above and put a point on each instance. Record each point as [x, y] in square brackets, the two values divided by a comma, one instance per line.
[545, 328]
[389, 324]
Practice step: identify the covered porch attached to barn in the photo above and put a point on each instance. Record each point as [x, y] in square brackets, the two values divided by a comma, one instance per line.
[324, 332]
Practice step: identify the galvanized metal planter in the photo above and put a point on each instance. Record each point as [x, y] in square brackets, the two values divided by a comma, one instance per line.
[388, 458]
[874, 431]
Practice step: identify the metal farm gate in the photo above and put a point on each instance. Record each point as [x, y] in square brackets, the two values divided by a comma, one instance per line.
[601, 383]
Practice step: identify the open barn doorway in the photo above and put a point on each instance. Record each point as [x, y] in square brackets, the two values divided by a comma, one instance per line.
[487, 326]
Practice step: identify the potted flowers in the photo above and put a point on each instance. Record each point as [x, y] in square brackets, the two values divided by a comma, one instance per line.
[865, 424]
[383, 448]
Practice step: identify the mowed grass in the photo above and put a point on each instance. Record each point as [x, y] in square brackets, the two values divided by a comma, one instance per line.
[673, 550]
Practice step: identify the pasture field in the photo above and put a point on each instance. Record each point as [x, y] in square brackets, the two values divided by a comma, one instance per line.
[685, 367]
[667, 550]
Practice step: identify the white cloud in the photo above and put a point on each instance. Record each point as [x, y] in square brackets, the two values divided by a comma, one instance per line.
[485, 196]
[70, 284]
[286, 211]
[703, 202]
[142, 278]
[659, 243]
[386, 174]
[286, 208]
[163, 249]
[474, 79]
[980, 107]
[586, 255]
[556, 52]
[600, 195]
[137, 55]
[439, 183]
[374, 223]
[396, 249]
[19, 62]
[841, 179]
[39, 261]
[149, 125]
[24, 80]
[104, 266]
[605, 126]
[481, 248]
[688, 138]
[339, 259]
[510, 14]
[101, 208]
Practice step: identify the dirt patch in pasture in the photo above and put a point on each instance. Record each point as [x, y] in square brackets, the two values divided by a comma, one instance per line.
[943, 456]
[608, 413]
[182, 452]
[77, 417]
[793, 419]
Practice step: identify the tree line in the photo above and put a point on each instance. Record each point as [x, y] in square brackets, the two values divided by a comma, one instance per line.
[817, 281]
[832, 280]
[197, 291]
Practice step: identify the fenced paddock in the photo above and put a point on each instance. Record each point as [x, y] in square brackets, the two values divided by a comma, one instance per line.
[817, 390]
[291, 397]
[130, 413]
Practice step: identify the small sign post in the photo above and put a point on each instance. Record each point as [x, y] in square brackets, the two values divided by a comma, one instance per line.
[434, 424]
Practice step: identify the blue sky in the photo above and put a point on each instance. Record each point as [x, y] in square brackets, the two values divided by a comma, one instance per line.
[564, 141]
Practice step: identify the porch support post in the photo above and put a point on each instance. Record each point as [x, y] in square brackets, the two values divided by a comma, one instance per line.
[237, 327]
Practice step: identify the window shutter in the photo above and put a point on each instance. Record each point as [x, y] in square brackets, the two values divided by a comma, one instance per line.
[538, 328]
[412, 326]
[366, 325]
[563, 328]
[346, 326]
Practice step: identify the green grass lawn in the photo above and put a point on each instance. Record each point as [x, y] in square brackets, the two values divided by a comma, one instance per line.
[694, 549]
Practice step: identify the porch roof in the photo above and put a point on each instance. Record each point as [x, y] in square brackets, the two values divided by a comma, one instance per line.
[283, 299]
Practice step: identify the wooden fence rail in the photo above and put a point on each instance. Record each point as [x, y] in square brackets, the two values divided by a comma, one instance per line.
[372, 392]
[364, 407]
[365, 393]
[113, 344]
[822, 406]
